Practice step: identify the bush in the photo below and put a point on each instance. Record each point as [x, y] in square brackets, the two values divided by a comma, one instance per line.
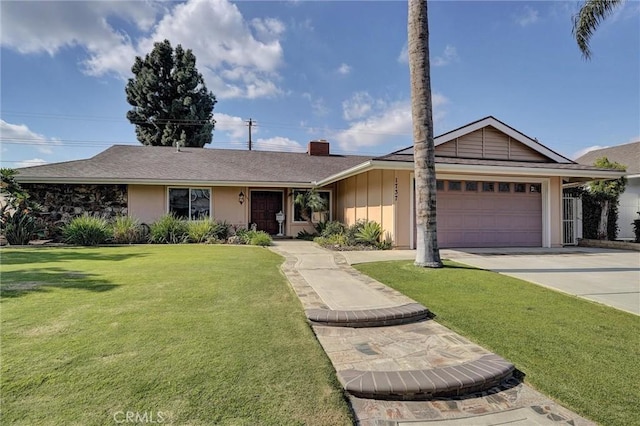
[169, 229]
[20, 228]
[304, 235]
[87, 231]
[260, 238]
[200, 231]
[369, 233]
[221, 230]
[331, 241]
[127, 230]
[331, 228]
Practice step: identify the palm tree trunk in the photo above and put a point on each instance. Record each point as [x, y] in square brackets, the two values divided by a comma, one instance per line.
[427, 253]
[603, 233]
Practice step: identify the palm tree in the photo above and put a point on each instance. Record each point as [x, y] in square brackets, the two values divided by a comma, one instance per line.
[427, 253]
[586, 21]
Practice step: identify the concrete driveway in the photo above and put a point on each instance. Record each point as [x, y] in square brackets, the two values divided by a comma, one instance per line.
[611, 277]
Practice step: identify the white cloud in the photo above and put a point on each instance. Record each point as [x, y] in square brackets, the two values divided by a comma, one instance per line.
[388, 122]
[344, 69]
[528, 16]
[449, 55]
[222, 40]
[278, 143]
[20, 133]
[358, 106]
[583, 151]
[403, 57]
[318, 105]
[32, 162]
[234, 127]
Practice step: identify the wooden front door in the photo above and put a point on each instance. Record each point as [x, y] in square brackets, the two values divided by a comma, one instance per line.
[264, 206]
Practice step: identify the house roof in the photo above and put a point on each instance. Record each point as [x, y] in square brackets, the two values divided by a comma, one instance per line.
[499, 125]
[627, 155]
[165, 165]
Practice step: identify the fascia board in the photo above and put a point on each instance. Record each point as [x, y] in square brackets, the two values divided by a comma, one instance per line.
[112, 181]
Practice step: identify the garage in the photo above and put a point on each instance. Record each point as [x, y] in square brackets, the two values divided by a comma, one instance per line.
[489, 214]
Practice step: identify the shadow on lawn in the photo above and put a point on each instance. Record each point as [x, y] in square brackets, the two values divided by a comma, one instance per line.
[20, 283]
[63, 254]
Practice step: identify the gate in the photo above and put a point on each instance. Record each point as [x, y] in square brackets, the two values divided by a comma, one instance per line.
[571, 220]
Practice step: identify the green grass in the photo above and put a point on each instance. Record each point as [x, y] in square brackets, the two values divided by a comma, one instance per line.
[584, 355]
[202, 334]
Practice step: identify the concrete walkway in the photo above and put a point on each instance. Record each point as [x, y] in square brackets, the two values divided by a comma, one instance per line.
[610, 277]
[415, 370]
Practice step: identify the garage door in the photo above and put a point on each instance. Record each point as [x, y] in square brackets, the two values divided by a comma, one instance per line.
[489, 214]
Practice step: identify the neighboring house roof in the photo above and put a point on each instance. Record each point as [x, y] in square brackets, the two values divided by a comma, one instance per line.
[165, 165]
[627, 155]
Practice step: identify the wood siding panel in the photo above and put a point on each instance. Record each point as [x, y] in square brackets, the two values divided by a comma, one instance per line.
[374, 196]
[387, 204]
[470, 145]
[361, 196]
[496, 144]
[520, 152]
[447, 149]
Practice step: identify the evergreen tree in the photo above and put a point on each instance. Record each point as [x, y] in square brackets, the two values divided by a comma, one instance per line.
[170, 100]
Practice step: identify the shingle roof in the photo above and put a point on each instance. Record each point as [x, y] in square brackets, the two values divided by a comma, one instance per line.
[129, 163]
[627, 155]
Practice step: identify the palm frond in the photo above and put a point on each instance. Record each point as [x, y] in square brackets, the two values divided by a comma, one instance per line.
[587, 20]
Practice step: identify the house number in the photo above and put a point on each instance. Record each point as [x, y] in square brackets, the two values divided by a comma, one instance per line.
[395, 190]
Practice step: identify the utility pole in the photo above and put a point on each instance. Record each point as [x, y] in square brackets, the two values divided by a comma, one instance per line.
[250, 124]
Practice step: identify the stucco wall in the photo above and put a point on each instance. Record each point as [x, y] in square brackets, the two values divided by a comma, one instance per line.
[555, 207]
[227, 207]
[147, 203]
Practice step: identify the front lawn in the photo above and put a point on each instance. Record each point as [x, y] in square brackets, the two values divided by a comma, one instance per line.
[584, 355]
[181, 334]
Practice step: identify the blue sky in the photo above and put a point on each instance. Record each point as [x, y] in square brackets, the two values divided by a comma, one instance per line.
[307, 70]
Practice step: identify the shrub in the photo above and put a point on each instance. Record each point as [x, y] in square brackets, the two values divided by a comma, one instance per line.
[169, 229]
[305, 235]
[332, 228]
[87, 231]
[20, 228]
[200, 231]
[127, 230]
[221, 230]
[331, 241]
[369, 233]
[351, 231]
[242, 236]
[259, 238]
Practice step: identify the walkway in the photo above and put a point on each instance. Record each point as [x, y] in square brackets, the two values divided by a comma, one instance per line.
[396, 365]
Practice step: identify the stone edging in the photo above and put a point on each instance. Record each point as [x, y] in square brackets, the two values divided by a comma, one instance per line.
[621, 245]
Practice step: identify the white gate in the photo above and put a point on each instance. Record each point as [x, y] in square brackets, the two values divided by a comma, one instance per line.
[571, 220]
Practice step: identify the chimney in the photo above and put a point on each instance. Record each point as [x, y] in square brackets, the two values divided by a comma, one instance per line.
[319, 147]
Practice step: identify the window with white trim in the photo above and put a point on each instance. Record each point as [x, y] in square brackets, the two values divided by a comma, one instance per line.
[190, 203]
[315, 216]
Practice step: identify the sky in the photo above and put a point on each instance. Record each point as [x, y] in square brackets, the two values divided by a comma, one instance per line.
[307, 70]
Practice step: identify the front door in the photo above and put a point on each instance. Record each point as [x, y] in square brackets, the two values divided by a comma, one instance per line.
[264, 206]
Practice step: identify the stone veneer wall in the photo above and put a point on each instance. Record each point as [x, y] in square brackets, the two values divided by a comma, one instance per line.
[61, 203]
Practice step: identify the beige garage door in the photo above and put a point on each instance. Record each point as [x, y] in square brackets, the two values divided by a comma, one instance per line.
[489, 214]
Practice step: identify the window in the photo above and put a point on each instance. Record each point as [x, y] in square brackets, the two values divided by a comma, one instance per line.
[439, 185]
[455, 185]
[504, 187]
[488, 187]
[520, 187]
[471, 186]
[190, 203]
[315, 216]
[534, 187]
